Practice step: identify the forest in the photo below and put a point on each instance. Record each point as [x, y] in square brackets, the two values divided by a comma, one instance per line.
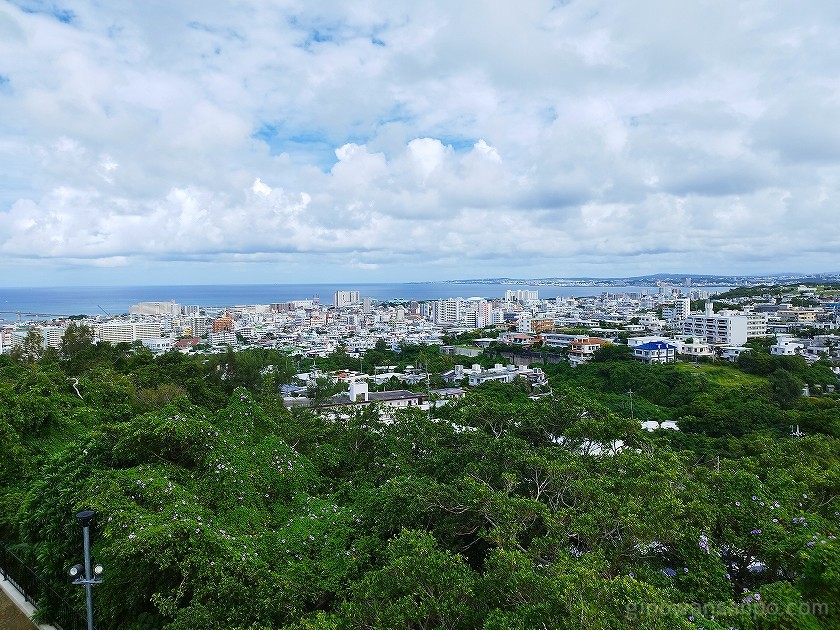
[218, 507]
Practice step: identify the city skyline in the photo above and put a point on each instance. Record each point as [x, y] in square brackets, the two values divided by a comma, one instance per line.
[235, 142]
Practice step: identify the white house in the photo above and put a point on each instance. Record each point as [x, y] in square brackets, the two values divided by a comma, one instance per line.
[655, 352]
[787, 345]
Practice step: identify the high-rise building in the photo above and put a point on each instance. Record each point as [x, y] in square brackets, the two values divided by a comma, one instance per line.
[224, 323]
[521, 295]
[682, 308]
[345, 298]
[199, 325]
[53, 335]
[127, 332]
[731, 328]
[448, 311]
[155, 308]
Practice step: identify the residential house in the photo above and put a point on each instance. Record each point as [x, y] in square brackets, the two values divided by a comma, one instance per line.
[581, 350]
[655, 352]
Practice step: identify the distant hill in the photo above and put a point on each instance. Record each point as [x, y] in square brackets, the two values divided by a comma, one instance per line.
[670, 278]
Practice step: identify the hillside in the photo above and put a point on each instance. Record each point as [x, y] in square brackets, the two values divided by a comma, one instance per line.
[219, 508]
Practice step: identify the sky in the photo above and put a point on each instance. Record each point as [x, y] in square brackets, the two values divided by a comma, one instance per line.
[202, 142]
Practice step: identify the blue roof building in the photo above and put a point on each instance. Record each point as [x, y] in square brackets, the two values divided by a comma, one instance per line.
[655, 352]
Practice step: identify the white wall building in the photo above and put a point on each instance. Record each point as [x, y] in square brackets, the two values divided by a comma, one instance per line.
[199, 325]
[756, 325]
[724, 328]
[521, 295]
[6, 335]
[449, 311]
[222, 338]
[346, 298]
[127, 332]
[53, 335]
[682, 308]
[159, 345]
[787, 345]
[155, 308]
[523, 324]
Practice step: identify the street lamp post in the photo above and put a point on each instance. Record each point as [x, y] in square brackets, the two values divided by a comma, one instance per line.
[85, 575]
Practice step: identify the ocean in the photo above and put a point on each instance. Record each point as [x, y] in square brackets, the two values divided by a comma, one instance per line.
[63, 301]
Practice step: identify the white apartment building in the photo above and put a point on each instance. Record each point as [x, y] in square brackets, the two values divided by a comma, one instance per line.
[503, 373]
[729, 328]
[478, 312]
[127, 332]
[521, 295]
[53, 336]
[222, 338]
[682, 308]
[448, 311]
[155, 308]
[474, 312]
[561, 340]
[756, 325]
[6, 335]
[346, 298]
[696, 349]
[17, 338]
[199, 325]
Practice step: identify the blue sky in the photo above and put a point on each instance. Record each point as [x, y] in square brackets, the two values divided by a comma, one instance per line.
[201, 142]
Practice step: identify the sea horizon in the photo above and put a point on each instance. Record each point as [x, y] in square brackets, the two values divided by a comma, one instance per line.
[48, 302]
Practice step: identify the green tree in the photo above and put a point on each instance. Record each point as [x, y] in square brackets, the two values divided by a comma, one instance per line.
[419, 586]
[77, 339]
[786, 388]
[321, 389]
[612, 352]
[31, 348]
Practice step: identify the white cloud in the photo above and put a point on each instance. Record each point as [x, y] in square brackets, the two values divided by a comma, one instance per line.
[389, 139]
[260, 189]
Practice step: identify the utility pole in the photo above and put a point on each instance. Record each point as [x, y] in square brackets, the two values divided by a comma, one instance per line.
[630, 393]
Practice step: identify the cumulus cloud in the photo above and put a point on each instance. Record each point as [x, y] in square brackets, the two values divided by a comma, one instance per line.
[468, 140]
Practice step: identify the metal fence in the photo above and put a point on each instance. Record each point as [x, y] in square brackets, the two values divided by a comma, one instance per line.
[56, 610]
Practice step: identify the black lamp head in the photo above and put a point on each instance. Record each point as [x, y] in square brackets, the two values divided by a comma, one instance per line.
[85, 517]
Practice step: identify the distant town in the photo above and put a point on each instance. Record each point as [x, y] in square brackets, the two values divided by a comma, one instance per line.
[662, 324]
[481, 409]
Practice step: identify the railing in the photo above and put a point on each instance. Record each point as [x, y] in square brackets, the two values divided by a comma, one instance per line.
[58, 612]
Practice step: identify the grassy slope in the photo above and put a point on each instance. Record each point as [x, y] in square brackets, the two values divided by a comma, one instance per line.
[723, 375]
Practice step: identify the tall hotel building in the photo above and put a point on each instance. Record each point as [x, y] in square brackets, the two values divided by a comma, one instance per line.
[346, 298]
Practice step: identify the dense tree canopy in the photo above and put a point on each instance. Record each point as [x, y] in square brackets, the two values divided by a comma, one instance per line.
[217, 507]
